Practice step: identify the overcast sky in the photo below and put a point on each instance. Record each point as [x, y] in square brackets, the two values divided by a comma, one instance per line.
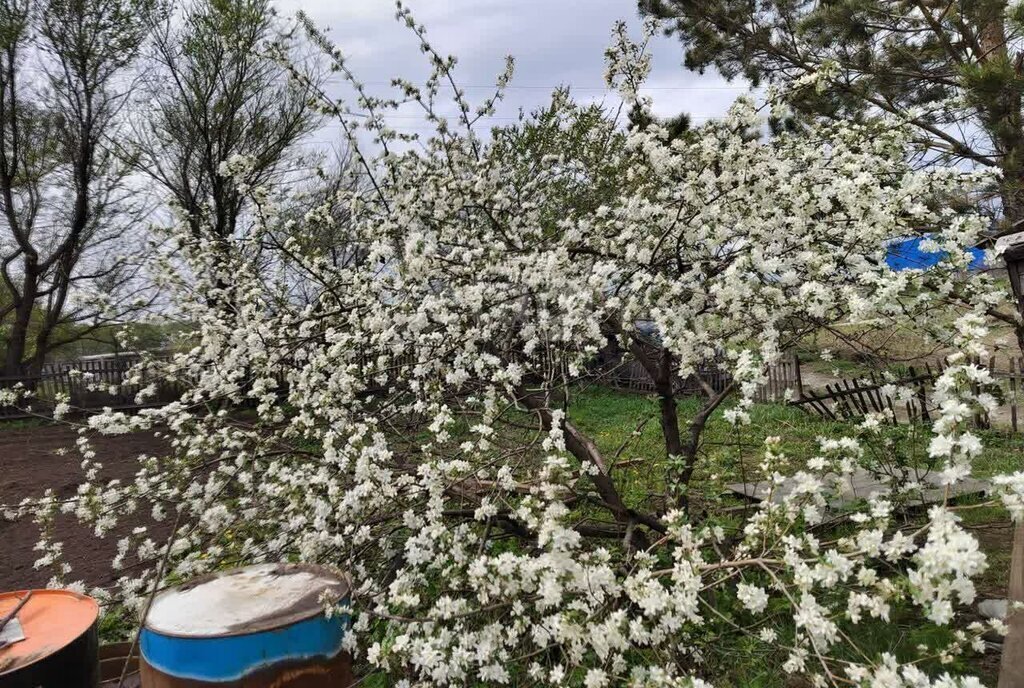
[554, 42]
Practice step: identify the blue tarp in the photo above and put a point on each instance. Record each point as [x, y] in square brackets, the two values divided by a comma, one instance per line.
[906, 254]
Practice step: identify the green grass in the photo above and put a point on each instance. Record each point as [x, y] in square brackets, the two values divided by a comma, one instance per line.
[116, 624]
[610, 417]
[23, 424]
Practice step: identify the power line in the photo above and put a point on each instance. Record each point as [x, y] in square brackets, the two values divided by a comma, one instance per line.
[427, 129]
[337, 79]
[455, 120]
[572, 87]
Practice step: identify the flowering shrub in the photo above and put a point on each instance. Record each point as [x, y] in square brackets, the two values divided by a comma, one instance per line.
[414, 420]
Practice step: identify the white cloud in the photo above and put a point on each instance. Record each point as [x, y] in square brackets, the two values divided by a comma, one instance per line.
[554, 41]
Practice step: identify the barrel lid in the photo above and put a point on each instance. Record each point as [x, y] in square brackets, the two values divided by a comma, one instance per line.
[51, 620]
[247, 600]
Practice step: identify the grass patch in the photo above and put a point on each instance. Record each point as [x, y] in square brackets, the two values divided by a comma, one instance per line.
[116, 624]
[611, 418]
[13, 424]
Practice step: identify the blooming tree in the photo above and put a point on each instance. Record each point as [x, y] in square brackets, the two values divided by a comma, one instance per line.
[414, 422]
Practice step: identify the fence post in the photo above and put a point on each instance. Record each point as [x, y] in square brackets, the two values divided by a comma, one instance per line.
[799, 378]
[1011, 670]
[922, 396]
[1013, 392]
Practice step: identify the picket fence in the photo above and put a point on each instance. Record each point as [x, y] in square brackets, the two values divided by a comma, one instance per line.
[88, 384]
[782, 380]
[99, 383]
[856, 397]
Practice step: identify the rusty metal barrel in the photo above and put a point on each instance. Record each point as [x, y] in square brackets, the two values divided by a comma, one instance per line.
[262, 625]
[51, 642]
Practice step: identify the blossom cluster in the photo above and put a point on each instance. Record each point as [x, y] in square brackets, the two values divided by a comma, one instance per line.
[413, 421]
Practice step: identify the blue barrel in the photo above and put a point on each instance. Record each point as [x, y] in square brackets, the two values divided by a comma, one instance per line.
[262, 625]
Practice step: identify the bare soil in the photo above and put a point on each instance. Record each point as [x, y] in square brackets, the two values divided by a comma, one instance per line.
[29, 464]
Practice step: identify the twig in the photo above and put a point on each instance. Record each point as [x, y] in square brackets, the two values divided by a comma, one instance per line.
[14, 612]
[149, 600]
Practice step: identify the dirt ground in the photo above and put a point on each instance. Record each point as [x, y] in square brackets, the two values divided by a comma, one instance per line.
[30, 463]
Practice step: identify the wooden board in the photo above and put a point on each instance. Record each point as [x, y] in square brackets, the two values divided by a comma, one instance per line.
[860, 485]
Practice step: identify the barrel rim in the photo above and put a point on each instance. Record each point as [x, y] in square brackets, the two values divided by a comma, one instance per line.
[94, 626]
[344, 592]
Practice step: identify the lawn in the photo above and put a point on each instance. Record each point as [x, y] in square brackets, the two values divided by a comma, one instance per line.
[611, 416]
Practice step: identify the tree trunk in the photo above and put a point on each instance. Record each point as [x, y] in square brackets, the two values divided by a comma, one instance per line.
[1002, 117]
[1011, 667]
[17, 339]
[667, 404]
[659, 368]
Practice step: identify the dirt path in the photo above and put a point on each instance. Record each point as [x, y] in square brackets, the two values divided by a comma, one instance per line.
[30, 463]
[813, 380]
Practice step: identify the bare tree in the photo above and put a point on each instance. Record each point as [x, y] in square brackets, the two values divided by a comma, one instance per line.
[216, 93]
[67, 204]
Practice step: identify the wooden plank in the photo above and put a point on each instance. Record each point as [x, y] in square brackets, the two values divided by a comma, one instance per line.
[858, 384]
[822, 408]
[875, 395]
[986, 420]
[922, 394]
[880, 399]
[850, 398]
[861, 392]
[1011, 669]
[855, 398]
[831, 395]
[977, 419]
[1013, 393]
[892, 411]
[861, 483]
[851, 403]
[819, 405]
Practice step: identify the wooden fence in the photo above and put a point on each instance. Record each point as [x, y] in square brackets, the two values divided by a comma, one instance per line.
[99, 383]
[781, 378]
[89, 384]
[852, 398]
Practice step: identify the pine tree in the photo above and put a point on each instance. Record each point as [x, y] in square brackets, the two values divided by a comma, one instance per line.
[954, 69]
[641, 118]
